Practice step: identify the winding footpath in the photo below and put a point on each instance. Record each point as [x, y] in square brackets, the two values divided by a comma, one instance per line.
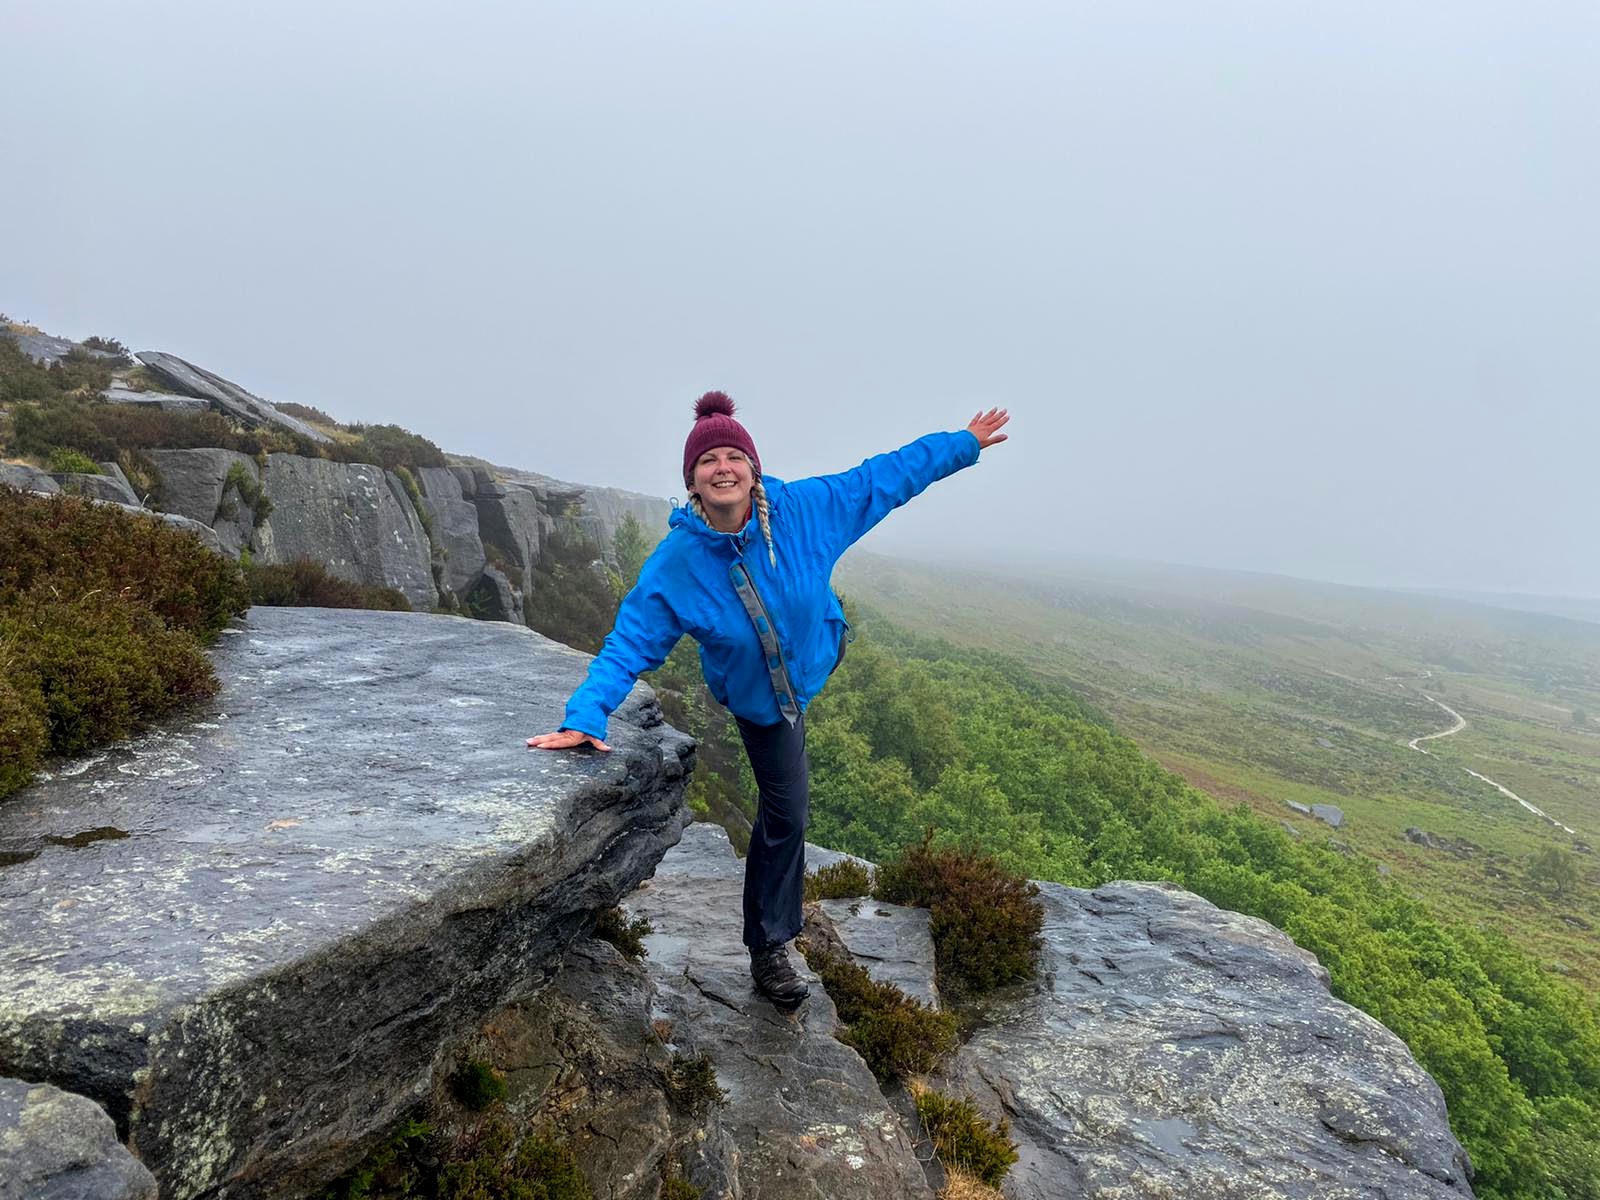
[1461, 723]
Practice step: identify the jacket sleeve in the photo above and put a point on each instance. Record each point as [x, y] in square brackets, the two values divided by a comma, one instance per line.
[645, 631]
[850, 503]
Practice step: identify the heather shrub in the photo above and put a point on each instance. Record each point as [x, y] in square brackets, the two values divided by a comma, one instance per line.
[627, 936]
[24, 736]
[387, 446]
[476, 1085]
[503, 1166]
[896, 1036]
[23, 379]
[38, 430]
[73, 546]
[985, 921]
[101, 664]
[692, 1084]
[306, 583]
[961, 1137]
[839, 881]
[306, 412]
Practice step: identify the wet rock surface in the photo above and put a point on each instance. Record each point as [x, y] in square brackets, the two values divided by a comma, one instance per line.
[249, 936]
[355, 519]
[58, 1146]
[891, 941]
[804, 1114]
[1170, 1048]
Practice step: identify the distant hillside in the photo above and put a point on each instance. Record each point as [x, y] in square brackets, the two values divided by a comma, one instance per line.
[1575, 608]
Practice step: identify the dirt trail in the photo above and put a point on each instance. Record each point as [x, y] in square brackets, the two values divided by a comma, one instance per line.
[1461, 723]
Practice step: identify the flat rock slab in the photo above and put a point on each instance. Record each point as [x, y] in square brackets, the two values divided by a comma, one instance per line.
[803, 1110]
[58, 1146]
[250, 936]
[186, 378]
[891, 941]
[1171, 1048]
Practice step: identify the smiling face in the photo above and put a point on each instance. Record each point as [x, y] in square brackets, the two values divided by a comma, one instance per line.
[722, 479]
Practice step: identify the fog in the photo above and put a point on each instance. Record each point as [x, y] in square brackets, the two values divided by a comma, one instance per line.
[1276, 286]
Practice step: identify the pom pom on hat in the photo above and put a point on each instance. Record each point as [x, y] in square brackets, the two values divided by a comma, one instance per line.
[713, 402]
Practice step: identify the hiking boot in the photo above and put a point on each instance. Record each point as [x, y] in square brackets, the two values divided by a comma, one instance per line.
[775, 978]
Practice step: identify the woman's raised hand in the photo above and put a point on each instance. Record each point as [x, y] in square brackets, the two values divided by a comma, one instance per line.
[985, 427]
[563, 740]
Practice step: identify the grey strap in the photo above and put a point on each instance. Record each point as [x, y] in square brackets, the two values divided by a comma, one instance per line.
[781, 688]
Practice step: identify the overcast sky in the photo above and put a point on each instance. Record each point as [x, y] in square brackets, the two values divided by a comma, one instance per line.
[1310, 288]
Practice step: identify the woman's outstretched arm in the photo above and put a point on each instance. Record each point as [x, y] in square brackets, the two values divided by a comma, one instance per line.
[852, 502]
[644, 633]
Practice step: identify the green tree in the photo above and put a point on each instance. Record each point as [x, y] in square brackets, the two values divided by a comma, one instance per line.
[1554, 867]
[630, 547]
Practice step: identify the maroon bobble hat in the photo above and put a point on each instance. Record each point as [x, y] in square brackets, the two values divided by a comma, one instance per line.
[714, 426]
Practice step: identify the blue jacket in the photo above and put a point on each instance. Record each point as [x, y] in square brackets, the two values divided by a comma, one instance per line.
[684, 586]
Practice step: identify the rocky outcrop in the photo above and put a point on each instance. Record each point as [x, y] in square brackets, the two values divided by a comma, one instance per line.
[111, 485]
[355, 519]
[187, 379]
[803, 1112]
[254, 939]
[455, 528]
[27, 479]
[58, 1146]
[43, 348]
[194, 483]
[119, 393]
[1171, 1048]
[1329, 814]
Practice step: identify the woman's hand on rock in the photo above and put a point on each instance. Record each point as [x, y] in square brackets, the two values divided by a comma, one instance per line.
[985, 427]
[563, 740]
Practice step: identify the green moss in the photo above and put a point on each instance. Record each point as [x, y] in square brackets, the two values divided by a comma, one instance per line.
[692, 1084]
[896, 1036]
[476, 1085]
[961, 1137]
[679, 1188]
[985, 919]
[839, 881]
[613, 926]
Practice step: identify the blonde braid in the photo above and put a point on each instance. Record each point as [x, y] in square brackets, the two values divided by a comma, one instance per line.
[763, 515]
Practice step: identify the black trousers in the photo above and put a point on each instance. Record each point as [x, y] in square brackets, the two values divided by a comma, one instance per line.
[775, 868]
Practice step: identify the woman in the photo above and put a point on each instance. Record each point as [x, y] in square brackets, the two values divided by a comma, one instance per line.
[745, 571]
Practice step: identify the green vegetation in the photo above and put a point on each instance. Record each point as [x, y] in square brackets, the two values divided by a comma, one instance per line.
[627, 936]
[896, 1036]
[102, 617]
[630, 546]
[569, 595]
[391, 1171]
[307, 583]
[70, 461]
[985, 920]
[962, 1138]
[490, 1162]
[676, 1187]
[839, 881]
[248, 488]
[476, 1085]
[692, 1084]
